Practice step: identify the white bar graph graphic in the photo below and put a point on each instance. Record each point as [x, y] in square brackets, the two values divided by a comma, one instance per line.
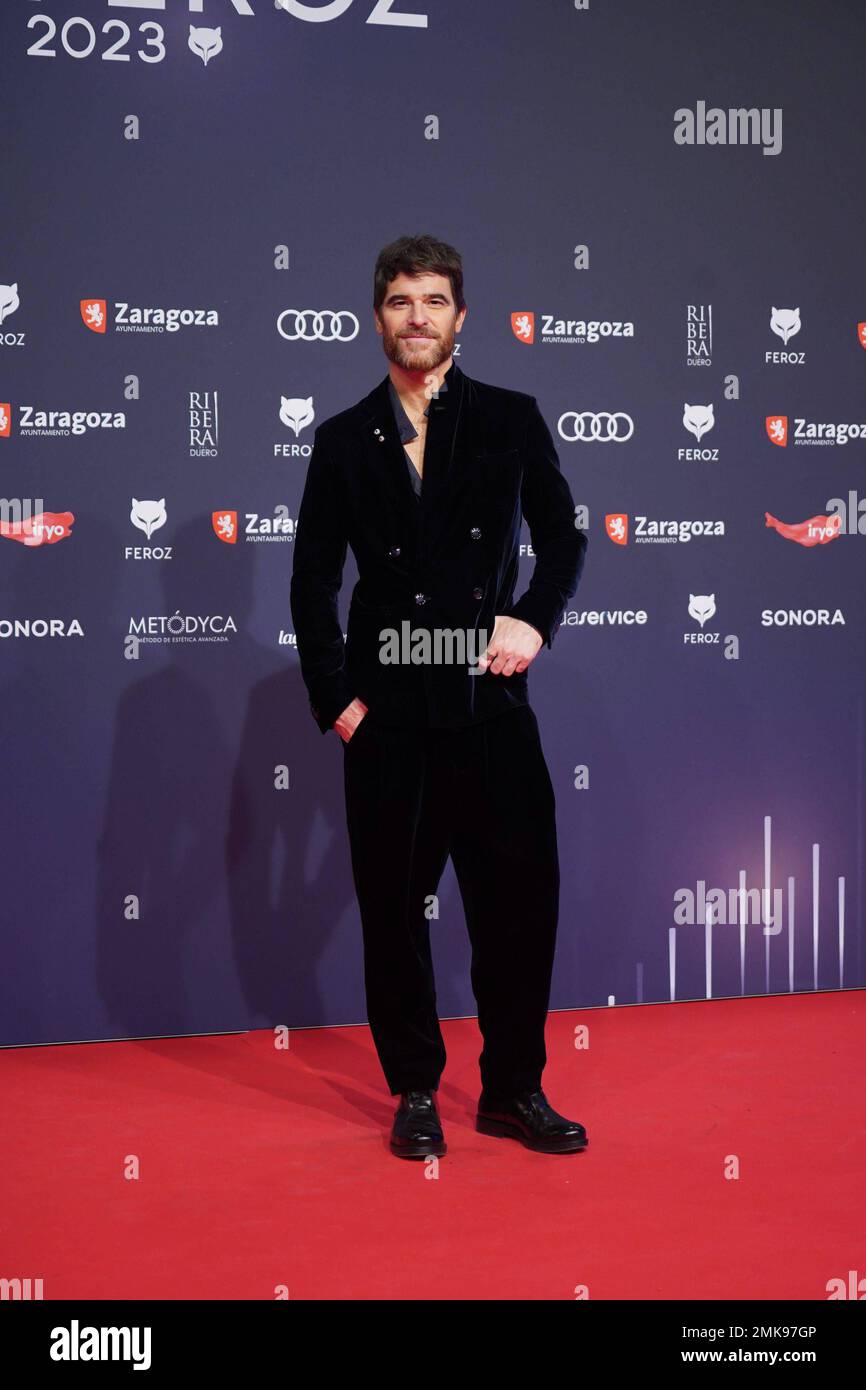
[790, 936]
[672, 960]
[708, 951]
[841, 931]
[744, 912]
[770, 921]
[816, 875]
[765, 902]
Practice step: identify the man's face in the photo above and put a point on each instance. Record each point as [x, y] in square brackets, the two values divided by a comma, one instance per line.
[418, 320]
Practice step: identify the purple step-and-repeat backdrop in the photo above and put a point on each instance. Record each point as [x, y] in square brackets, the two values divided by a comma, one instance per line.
[660, 210]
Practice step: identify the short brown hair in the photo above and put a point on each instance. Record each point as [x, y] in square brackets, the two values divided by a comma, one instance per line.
[413, 255]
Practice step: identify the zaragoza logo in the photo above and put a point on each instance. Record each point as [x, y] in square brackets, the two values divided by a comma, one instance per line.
[616, 525]
[5, 419]
[148, 318]
[554, 330]
[777, 429]
[523, 327]
[861, 334]
[93, 312]
[225, 525]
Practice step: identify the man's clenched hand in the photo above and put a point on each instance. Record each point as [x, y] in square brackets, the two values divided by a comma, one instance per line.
[511, 648]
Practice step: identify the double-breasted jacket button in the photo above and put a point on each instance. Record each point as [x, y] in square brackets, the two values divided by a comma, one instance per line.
[475, 533]
[477, 593]
[394, 552]
[421, 598]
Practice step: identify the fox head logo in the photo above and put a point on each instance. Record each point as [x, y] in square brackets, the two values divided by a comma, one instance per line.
[207, 43]
[785, 322]
[523, 327]
[9, 300]
[616, 525]
[296, 412]
[702, 607]
[225, 525]
[93, 314]
[148, 516]
[777, 429]
[698, 419]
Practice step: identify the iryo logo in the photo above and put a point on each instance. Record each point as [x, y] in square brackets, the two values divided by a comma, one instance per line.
[25, 520]
[818, 530]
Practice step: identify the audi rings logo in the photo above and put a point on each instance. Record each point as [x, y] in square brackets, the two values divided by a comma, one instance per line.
[602, 425]
[317, 325]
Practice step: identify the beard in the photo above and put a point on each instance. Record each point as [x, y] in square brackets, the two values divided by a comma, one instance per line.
[421, 357]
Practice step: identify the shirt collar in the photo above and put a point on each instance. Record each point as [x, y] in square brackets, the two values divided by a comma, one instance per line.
[405, 428]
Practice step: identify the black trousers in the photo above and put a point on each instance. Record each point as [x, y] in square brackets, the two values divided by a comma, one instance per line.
[482, 794]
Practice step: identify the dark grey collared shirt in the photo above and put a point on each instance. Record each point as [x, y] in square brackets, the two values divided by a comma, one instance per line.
[406, 431]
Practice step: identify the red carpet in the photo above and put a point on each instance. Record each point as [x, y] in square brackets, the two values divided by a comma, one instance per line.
[261, 1168]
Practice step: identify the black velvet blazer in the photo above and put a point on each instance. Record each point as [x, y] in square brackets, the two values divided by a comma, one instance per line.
[446, 561]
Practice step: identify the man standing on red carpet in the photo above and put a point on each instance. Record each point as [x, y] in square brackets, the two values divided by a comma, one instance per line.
[427, 479]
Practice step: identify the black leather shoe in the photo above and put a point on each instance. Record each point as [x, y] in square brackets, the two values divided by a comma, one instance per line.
[416, 1132]
[531, 1119]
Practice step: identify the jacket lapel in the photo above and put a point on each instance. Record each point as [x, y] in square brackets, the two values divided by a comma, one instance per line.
[439, 450]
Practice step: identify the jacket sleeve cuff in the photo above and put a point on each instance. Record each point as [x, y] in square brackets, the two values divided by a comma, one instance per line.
[526, 609]
[327, 710]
